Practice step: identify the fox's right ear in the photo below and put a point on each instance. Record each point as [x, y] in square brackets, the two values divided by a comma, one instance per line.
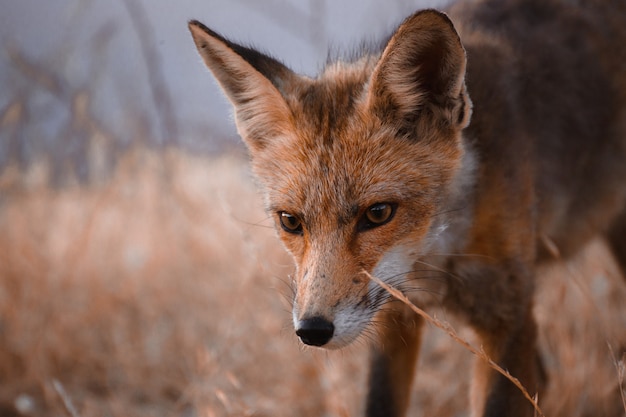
[252, 82]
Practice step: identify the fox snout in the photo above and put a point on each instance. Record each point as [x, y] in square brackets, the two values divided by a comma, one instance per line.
[333, 301]
[331, 313]
[315, 331]
[332, 309]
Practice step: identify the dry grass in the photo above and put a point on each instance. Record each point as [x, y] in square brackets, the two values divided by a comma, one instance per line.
[162, 291]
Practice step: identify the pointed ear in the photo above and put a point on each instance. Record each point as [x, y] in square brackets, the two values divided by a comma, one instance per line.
[251, 81]
[420, 75]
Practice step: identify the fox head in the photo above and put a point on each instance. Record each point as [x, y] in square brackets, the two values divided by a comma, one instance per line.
[355, 163]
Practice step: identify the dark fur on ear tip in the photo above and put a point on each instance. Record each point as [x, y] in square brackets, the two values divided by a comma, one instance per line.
[268, 66]
[204, 28]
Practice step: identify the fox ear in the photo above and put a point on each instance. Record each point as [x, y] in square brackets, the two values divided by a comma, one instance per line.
[252, 83]
[420, 75]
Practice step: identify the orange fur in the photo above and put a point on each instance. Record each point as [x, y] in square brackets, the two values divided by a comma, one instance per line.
[386, 165]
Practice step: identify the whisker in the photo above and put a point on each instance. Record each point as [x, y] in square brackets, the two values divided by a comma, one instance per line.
[439, 269]
[452, 210]
[258, 223]
[462, 255]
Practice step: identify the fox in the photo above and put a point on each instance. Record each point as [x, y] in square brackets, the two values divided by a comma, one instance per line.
[467, 149]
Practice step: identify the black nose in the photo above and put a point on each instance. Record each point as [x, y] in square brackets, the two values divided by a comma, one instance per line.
[316, 331]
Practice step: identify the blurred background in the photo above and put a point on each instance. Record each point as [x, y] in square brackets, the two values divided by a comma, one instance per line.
[135, 57]
[139, 275]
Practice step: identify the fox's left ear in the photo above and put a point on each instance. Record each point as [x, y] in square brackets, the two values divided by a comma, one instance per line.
[420, 77]
[252, 82]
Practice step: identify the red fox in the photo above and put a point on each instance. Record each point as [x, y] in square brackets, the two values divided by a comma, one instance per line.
[449, 164]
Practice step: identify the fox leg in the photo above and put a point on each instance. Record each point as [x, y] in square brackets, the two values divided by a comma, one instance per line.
[393, 362]
[498, 305]
[493, 395]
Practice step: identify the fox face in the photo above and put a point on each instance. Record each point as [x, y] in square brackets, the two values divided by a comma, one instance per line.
[356, 164]
[343, 206]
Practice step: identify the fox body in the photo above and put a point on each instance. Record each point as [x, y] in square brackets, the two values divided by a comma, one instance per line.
[449, 163]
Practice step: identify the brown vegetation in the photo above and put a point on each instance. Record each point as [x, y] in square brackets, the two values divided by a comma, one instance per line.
[162, 291]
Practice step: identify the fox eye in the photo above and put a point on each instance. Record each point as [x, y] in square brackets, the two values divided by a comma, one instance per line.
[290, 223]
[377, 215]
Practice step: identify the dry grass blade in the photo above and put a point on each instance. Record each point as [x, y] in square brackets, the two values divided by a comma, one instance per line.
[620, 367]
[452, 333]
[67, 401]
